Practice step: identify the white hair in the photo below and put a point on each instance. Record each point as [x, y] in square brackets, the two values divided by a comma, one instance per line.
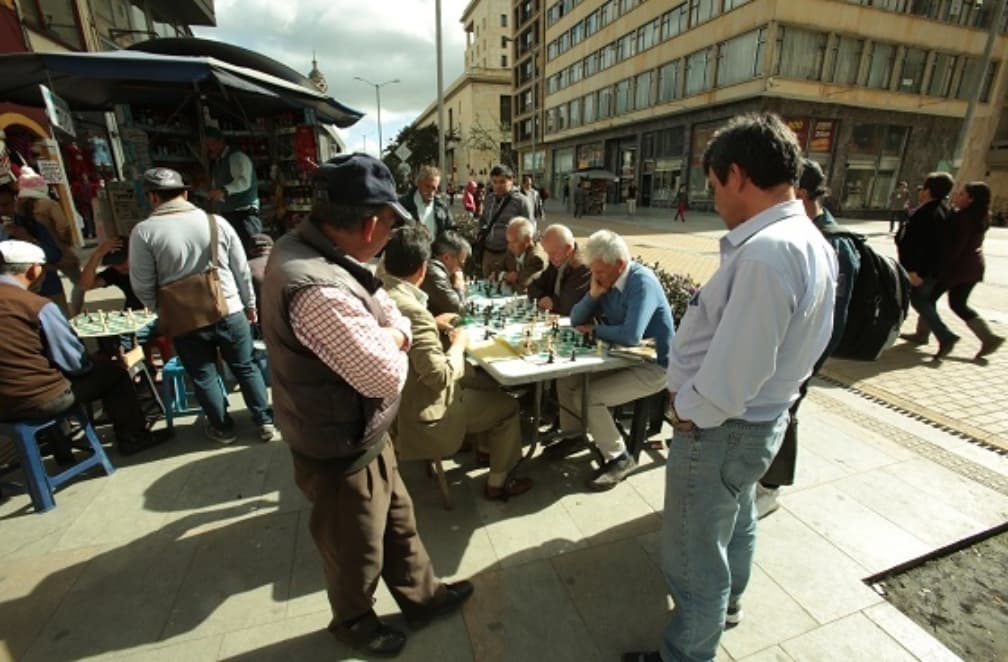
[525, 228]
[561, 232]
[607, 246]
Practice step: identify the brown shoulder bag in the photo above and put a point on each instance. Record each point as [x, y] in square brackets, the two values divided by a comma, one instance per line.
[195, 301]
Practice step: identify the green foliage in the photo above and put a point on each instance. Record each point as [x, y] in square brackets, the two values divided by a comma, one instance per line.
[679, 289]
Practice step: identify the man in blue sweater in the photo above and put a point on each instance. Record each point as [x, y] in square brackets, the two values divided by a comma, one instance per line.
[624, 305]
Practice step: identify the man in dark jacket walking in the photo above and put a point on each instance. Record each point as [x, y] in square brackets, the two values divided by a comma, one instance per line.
[426, 205]
[919, 244]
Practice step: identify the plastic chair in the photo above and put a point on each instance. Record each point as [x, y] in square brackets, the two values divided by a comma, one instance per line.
[175, 395]
[38, 483]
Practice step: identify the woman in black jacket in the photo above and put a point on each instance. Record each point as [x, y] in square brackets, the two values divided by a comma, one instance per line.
[963, 261]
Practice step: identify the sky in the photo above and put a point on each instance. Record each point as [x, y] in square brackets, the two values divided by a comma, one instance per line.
[380, 40]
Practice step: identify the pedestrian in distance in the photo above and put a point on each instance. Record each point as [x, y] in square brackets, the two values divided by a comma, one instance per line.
[631, 199]
[682, 204]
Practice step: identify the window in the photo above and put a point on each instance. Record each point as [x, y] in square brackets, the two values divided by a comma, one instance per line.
[642, 87]
[912, 73]
[503, 20]
[551, 120]
[609, 13]
[574, 74]
[626, 47]
[675, 22]
[605, 105]
[926, 8]
[732, 4]
[623, 98]
[847, 60]
[592, 23]
[505, 110]
[971, 79]
[607, 56]
[702, 11]
[591, 64]
[504, 41]
[880, 65]
[648, 35]
[574, 113]
[800, 53]
[57, 18]
[741, 59]
[588, 108]
[627, 5]
[577, 34]
[668, 82]
[697, 71]
[941, 75]
[504, 60]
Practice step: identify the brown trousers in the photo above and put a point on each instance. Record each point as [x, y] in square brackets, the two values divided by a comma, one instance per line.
[364, 528]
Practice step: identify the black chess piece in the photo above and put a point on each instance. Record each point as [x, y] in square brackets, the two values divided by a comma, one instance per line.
[586, 339]
[486, 334]
[573, 354]
[551, 357]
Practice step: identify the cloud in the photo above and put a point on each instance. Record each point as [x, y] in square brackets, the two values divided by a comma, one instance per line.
[380, 40]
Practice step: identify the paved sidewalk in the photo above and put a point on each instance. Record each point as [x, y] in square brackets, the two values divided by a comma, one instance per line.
[194, 552]
[958, 393]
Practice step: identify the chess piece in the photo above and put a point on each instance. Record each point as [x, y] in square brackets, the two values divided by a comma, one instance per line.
[599, 347]
[573, 354]
[486, 333]
[551, 357]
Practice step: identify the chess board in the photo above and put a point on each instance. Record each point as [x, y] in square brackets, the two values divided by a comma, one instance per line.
[487, 289]
[530, 333]
[115, 323]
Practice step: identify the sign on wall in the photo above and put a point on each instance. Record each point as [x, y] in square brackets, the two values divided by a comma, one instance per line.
[58, 111]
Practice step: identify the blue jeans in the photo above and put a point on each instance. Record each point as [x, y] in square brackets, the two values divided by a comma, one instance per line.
[924, 300]
[709, 528]
[197, 351]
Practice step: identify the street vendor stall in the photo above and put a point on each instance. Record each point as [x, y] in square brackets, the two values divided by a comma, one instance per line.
[596, 183]
[164, 104]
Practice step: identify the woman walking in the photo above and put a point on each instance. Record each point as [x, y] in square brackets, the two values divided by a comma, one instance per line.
[682, 204]
[963, 263]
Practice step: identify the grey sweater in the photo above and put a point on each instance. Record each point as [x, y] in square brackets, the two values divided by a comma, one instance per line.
[175, 242]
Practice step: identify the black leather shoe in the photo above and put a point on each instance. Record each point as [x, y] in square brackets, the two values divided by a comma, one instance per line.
[130, 445]
[455, 595]
[369, 635]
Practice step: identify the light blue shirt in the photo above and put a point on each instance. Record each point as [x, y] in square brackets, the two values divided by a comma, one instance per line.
[752, 334]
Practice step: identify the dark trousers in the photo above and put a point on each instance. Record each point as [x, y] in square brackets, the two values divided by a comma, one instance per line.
[364, 528]
[782, 469]
[197, 351]
[107, 382]
[246, 223]
[924, 299]
[958, 295]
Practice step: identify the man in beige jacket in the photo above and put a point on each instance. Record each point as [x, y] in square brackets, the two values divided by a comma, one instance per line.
[436, 412]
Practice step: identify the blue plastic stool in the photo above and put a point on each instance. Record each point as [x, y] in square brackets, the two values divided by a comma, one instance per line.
[38, 483]
[175, 395]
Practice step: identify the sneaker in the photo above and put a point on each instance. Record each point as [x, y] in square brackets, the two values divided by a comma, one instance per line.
[267, 432]
[766, 500]
[733, 616]
[222, 437]
[612, 473]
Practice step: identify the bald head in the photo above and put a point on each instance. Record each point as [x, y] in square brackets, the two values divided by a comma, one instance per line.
[558, 242]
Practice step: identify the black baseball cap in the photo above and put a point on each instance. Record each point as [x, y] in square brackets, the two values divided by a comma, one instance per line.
[357, 179]
[812, 177]
[163, 179]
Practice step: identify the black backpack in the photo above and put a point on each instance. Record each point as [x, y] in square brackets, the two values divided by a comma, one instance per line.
[878, 306]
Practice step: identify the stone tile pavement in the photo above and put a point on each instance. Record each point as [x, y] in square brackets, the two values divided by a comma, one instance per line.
[193, 551]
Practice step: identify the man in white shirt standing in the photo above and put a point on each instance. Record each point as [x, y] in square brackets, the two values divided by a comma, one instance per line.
[235, 192]
[748, 340]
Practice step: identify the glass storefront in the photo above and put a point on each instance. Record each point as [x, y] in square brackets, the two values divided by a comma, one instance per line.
[873, 162]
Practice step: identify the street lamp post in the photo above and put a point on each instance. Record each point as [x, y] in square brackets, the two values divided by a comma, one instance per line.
[377, 91]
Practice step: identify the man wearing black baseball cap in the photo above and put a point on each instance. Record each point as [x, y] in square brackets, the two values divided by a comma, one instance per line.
[337, 346]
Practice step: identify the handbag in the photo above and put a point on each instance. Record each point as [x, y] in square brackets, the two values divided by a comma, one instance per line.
[195, 301]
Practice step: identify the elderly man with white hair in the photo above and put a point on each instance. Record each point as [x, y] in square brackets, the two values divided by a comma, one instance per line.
[566, 279]
[428, 207]
[625, 304]
[525, 257]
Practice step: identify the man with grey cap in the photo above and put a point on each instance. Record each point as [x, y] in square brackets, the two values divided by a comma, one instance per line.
[44, 368]
[235, 192]
[174, 243]
[338, 362]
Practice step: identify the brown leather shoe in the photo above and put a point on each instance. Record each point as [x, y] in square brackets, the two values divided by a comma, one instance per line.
[514, 488]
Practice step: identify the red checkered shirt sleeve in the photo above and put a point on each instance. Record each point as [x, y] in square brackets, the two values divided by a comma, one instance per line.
[342, 332]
